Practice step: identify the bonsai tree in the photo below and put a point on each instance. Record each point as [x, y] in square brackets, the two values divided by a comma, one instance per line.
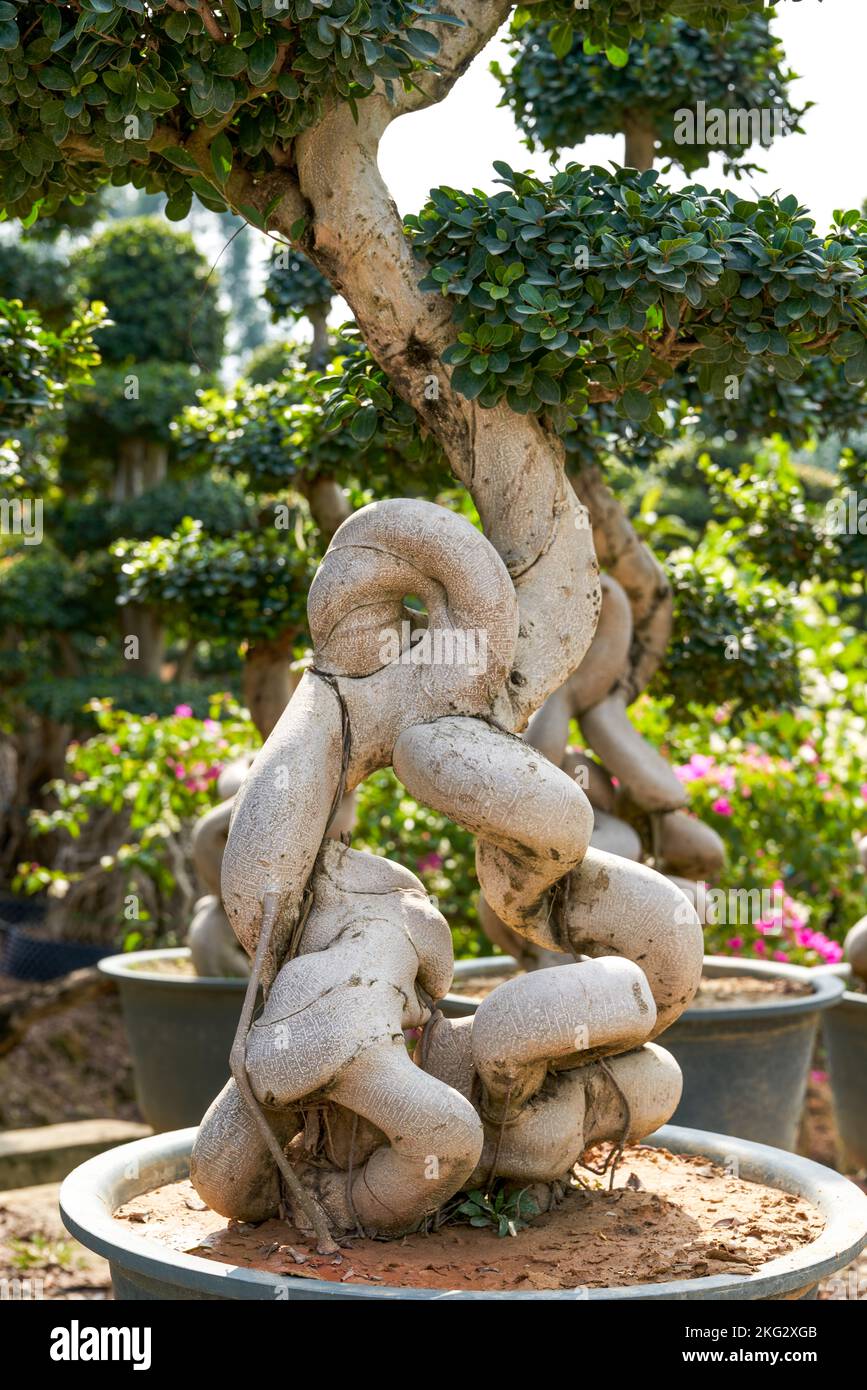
[563, 87]
[296, 290]
[488, 329]
[153, 354]
[39, 368]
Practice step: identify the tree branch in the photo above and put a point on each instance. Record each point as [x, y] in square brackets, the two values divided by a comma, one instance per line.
[203, 10]
[512, 466]
[632, 563]
[458, 48]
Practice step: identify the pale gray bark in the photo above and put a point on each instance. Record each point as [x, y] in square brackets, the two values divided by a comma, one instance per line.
[354, 952]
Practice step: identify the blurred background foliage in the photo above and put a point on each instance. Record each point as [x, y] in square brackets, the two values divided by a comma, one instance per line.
[175, 436]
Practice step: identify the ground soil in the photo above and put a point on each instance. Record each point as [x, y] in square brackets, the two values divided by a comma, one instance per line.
[38, 1253]
[72, 1066]
[668, 1217]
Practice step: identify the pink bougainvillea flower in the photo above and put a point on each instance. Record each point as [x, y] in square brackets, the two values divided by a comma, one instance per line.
[210, 726]
[760, 948]
[722, 806]
[822, 779]
[183, 711]
[780, 955]
[726, 779]
[698, 767]
[863, 790]
[808, 753]
[429, 861]
[735, 943]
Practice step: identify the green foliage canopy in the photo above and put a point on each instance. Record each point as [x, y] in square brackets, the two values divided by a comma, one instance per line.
[294, 286]
[596, 286]
[154, 281]
[39, 366]
[252, 585]
[171, 98]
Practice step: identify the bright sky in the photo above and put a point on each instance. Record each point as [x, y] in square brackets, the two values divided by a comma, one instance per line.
[826, 44]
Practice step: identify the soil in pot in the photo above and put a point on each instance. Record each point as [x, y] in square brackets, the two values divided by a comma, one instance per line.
[732, 991]
[479, 986]
[178, 967]
[668, 1217]
[739, 991]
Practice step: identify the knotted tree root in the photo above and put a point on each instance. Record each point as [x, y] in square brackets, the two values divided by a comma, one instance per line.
[633, 632]
[358, 952]
[214, 948]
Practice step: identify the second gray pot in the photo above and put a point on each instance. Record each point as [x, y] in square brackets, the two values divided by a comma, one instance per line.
[745, 1068]
[845, 1032]
[180, 1030]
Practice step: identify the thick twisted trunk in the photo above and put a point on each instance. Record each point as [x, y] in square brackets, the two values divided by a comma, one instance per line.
[141, 464]
[510, 464]
[348, 946]
[639, 142]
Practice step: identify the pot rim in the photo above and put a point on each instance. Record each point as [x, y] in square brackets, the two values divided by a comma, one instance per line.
[827, 989]
[121, 967]
[96, 1188]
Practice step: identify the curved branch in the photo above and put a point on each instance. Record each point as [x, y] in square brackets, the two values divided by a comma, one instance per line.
[511, 465]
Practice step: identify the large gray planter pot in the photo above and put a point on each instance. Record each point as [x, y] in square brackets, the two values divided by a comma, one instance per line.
[180, 1031]
[845, 1034]
[142, 1269]
[745, 1069]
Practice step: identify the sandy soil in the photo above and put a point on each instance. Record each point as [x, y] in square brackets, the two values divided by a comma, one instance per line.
[669, 1217]
[38, 1258]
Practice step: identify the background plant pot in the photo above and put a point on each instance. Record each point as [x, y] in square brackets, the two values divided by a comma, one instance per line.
[142, 1269]
[459, 1005]
[745, 1067]
[25, 955]
[180, 1030]
[845, 1033]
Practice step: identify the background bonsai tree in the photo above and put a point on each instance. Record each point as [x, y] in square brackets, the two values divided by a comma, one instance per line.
[296, 290]
[39, 367]
[166, 335]
[563, 87]
[480, 294]
[738, 637]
